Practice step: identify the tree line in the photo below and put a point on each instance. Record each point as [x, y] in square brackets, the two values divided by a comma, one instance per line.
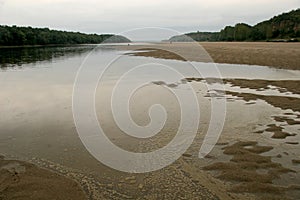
[16, 57]
[18, 36]
[283, 27]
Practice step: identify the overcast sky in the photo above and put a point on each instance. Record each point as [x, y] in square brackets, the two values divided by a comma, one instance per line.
[117, 16]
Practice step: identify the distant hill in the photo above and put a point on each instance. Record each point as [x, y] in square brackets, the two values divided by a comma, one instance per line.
[284, 27]
[17, 36]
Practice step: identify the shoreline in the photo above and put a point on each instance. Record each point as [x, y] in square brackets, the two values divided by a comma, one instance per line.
[48, 45]
[277, 55]
[271, 54]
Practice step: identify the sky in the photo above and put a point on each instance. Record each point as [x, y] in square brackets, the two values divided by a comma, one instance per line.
[129, 17]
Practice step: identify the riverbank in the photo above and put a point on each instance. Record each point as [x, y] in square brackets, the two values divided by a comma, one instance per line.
[277, 55]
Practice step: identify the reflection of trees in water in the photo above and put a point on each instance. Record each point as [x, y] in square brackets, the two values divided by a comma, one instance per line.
[16, 57]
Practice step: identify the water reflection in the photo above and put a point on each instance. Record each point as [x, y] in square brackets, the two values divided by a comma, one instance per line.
[16, 57]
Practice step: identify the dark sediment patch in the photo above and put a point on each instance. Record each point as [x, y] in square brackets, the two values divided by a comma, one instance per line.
[172, 85]
[22, 180]
[157, 53]
[193, 79]
[248, 171]
[222, 143]
[278, 133]
[288, 120]
[284, 103]
[260, 131]
[281, 135]
[258, 84]
[296, 161]
[292, 143]
[288, 113]
[162, 83]
[279, 156]
[159, 82]
[207, 80]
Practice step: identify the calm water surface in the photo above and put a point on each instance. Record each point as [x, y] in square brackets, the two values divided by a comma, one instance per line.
[36, 86]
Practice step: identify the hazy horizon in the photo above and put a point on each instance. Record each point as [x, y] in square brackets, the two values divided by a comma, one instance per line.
[117, 17]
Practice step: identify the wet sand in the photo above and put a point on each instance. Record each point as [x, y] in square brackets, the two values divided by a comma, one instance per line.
[278, 55]
[249, 169]
[283, 102]
[243, 169]
[22, 180]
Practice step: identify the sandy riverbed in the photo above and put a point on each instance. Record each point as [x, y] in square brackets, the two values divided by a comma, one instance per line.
[279, 55]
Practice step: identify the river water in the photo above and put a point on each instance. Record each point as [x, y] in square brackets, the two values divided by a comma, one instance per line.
[36, 101]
